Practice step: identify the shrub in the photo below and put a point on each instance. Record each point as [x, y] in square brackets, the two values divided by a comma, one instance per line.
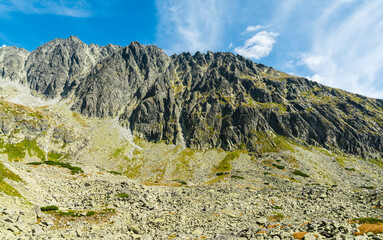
[122, 195]
[299, 173]
[114, 172]
[49, 208]
[237, 177]
[279, 166]
[222, 173]
[367, 187]
[90, 213]
[73, 169]
[182, 182]
[277, 207]
[350, 169]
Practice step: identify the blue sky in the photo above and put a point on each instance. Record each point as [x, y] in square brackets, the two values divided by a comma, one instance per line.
[336, 42]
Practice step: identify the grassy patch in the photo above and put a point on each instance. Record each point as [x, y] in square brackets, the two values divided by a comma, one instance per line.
[368, 220]
[70, 213]
[367, 187]
[377, 162]
[300, 173]
[182, 182]
[90, 213]
[277, 207]
[49, 208]
[73, 169]
[114, 172]
[122, 195]
[5, 173]
[225, 164]
[118, 152]
[222, 173]
[276, 217]
[17, 151]
[52, 156]
[350, 169]
[107, 210]
[279, 166]
[5, 187]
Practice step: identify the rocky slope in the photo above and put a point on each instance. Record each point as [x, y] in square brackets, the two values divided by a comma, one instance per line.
[227, 147]
[207, 101]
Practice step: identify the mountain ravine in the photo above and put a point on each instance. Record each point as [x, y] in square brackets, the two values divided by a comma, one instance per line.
[111, 142]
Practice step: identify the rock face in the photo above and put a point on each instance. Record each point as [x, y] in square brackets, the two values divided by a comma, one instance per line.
[203, 100]
[57, 66]
[12, 61]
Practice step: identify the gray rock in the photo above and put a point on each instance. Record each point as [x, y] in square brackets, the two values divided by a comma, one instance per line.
[262, 221]
[37, 211]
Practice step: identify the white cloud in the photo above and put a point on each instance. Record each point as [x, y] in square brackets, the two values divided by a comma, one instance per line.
[64, 7]
[192, 25]
[258, 46]
[3, 46]
[347, 45]
[254, 28]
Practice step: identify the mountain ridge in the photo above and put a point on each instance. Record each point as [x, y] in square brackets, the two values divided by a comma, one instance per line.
[207, 100]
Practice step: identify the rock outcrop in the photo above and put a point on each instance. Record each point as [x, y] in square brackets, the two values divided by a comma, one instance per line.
[207, 101]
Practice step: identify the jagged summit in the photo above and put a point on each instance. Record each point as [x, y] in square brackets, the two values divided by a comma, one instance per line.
[207, 100]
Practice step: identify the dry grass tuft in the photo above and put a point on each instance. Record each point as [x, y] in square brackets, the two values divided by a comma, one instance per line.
[368, 227]
[299, 235]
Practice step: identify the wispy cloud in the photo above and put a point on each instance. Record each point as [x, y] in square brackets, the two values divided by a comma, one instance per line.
[192, 25]
[347, 45]
[258, 46]
[63, 7]
[3, 46]
[254, 28]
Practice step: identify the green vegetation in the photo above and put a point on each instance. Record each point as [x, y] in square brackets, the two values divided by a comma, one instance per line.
[225, 164]
[276, 217]
[279, 166]
[70, 213]
[114, 172]
[268, 144]
[49, 208]
[222, 173]
[52, 156]
[5, 187]
[107, 210]
[90, 213]
[299, 173]
[277, 207]
[117, 153]
[350, 169]
[367, 187]
[17, 151]
[122, 195]
[377, 162]
[237, 177]
[368, 220]
[73, 169]
[182, 182]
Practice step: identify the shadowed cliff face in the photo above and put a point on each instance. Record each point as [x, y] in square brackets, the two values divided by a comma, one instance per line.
[203, 100]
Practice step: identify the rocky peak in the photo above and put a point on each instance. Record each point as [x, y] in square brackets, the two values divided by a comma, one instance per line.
[212, 100]
[12, 61]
